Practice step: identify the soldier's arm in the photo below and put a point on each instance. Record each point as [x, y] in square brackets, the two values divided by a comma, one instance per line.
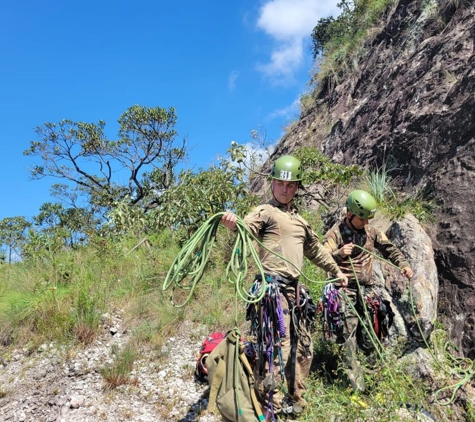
[393, 254]
[320, 256]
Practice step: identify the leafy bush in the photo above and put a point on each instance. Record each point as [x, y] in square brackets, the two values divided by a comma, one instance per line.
[318, 168]
[337, 39]
[421, 208]
[184, 207]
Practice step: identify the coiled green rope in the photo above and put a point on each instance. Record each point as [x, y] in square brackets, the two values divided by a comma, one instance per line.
[190, 263]
[458, 367]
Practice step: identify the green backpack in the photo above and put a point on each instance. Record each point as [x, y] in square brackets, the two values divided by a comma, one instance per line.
[232, 382]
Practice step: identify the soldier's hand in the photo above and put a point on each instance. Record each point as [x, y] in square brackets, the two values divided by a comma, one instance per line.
[229, 220]
[407, 272]
[346, 250]
[343, 279]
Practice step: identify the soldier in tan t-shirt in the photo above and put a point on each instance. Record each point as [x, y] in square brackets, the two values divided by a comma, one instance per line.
[283, 231]
[340, 241]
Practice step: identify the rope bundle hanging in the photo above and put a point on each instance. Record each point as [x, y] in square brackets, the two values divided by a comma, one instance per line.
[189, 265]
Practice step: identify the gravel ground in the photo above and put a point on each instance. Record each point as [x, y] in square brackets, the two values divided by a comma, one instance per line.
[64, 385]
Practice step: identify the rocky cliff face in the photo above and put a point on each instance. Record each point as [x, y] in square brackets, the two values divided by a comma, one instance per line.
[410, 102]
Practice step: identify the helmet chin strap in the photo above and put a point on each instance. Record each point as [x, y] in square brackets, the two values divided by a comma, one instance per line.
[351, 224]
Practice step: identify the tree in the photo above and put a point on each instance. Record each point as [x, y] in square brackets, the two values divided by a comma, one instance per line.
[321, 35]
[195, 197]
[198, 196]
[252, 155]
[12, 233]
[346, 30]
[81, 154]
[71, 225]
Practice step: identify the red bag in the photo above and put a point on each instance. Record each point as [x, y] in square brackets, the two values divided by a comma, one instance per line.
[208, 346]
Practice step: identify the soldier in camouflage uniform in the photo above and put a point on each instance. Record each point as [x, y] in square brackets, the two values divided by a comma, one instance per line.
[282, 230]
[340, 241]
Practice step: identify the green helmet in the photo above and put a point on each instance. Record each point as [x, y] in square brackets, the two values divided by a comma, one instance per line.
[361, 204]
[287, 168]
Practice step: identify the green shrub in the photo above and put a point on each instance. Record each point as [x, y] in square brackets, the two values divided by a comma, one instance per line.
[318, 168]
[421, 208]
[338, 40]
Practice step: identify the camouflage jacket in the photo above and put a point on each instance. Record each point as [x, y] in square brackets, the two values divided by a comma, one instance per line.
[371, 239]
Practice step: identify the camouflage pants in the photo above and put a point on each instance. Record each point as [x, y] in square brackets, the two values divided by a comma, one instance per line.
[349, 338]
[270, 383]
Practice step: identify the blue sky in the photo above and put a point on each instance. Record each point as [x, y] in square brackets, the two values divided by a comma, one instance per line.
[228, 67]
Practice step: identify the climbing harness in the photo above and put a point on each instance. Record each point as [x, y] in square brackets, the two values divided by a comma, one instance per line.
[267, 329]
[381, 314]
[329, 310]
[377, 313]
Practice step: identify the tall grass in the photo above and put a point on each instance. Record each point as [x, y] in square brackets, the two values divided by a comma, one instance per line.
[66, 302]
[378, 182]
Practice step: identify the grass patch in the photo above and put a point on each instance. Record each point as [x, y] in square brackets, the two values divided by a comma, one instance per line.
[118, 373]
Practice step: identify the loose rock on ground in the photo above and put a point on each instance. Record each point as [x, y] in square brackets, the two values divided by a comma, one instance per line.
[59, 384]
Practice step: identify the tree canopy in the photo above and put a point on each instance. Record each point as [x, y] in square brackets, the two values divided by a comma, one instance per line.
[144, 154]
[12, 234]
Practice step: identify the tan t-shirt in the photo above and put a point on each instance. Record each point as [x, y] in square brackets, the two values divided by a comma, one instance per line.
[288, 235]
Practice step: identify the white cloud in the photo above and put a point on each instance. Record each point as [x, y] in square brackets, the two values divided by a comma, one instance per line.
[288, 112]
[232, 80]
[289, 23]
[285, 58]
[256, 156]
